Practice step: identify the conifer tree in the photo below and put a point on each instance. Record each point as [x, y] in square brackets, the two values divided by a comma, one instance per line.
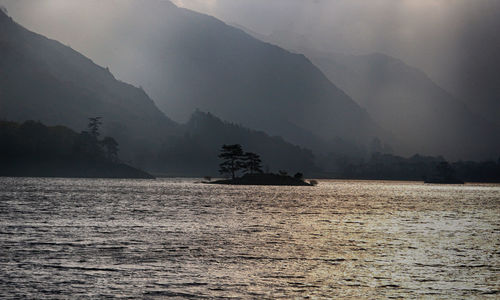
[94, 124]
[231, 155]
[252, 163]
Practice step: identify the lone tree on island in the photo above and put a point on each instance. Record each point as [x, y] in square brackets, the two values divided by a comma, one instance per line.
[252, 163]
[231, 154]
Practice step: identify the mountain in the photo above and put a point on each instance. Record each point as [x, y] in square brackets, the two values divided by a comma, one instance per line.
[186, 60]
[422, 116]
[41, 79]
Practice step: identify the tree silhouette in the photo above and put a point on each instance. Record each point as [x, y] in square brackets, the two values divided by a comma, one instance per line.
[93, 126]
[88, 143]
[231, 154]
[87, 146]
[252, 163]
[111, 147]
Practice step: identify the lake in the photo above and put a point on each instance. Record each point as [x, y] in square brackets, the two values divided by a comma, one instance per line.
[94, 238]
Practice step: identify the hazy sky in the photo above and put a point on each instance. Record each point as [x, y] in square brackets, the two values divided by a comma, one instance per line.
[445, 38]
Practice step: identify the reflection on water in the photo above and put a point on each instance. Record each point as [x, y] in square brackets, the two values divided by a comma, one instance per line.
[159, 238]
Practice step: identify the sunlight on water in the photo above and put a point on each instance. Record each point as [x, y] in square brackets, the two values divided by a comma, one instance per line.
[172, 237]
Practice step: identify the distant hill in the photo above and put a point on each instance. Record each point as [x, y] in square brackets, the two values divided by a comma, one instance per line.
[41, 79]
[422, 116]
[420, 168]
[186, 60]
[204, 134]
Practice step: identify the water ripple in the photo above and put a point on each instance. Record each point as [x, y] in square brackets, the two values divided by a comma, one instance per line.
[87, 238]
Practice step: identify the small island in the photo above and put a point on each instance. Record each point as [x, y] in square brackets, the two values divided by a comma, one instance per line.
[234, 160]
[264, 179]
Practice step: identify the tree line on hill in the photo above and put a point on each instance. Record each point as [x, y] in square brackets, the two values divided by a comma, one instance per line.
[34, 140]
[33, 149]
[391, 167]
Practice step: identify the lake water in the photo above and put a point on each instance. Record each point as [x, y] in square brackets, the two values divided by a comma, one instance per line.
[70, 238]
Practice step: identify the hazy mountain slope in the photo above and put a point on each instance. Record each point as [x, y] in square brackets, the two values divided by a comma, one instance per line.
[204, 134]
[41, 79]
[187, 60]
[422, 115]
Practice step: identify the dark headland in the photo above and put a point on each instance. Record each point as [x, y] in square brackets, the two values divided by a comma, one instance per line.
[32, 149]
[66, 168]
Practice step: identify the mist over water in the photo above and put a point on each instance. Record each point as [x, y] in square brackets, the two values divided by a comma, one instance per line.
[154, 239]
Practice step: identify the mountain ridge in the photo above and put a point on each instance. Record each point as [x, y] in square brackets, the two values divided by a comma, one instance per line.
[44, 80]
[53, 72]
[188, 60]
[430, 119]
[422, 116]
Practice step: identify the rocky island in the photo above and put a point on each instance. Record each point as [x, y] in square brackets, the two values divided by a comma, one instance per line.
[264, 179]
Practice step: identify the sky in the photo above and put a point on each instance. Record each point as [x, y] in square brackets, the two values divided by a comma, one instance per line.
[445, 38]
